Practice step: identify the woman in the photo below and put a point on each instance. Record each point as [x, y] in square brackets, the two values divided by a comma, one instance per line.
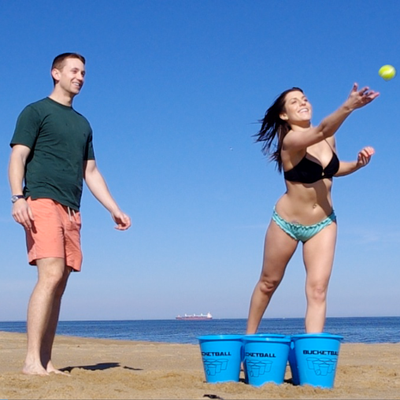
[307, 155]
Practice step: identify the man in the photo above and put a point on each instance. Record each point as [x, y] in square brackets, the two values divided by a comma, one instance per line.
[51, 154]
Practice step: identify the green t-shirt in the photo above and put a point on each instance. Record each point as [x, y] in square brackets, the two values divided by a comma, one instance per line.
[60, 140]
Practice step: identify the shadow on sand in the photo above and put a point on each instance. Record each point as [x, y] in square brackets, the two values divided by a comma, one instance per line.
[99, 367]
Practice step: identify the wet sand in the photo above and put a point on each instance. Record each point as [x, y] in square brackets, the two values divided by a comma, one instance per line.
[111, 369]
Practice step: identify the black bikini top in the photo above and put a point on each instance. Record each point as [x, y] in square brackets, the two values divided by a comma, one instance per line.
[307, 171]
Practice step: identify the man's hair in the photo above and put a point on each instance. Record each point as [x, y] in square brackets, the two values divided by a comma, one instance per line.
[59, 61]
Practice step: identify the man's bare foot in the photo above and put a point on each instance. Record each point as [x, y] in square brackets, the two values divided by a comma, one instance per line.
[34, 370]
[58, 372]
[52, 370]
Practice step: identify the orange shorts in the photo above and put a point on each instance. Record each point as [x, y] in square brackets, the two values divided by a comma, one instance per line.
[55, 233]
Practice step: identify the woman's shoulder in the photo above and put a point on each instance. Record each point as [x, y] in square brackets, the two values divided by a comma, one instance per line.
[287, 144]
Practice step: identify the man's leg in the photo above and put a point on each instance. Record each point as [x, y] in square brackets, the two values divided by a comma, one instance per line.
[43, 311]
[48, 340]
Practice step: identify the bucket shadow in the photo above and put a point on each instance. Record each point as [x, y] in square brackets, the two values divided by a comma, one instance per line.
[99, 367]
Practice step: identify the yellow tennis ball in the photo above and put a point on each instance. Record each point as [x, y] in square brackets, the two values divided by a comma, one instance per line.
[387, 72]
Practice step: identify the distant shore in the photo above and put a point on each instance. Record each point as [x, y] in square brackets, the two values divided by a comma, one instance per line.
[113, 369]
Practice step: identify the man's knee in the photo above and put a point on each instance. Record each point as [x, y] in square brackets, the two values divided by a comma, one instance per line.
[52, 271]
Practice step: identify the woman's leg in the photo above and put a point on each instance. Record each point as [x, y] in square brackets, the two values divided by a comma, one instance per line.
[278, 249]
[318, 254]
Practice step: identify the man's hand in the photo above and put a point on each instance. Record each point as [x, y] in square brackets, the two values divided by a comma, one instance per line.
[122, 220]
[22, 213]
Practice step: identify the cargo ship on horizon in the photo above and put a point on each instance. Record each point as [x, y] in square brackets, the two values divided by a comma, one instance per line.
[195, 317]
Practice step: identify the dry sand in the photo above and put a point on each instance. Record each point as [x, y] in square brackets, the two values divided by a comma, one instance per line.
[110, 369]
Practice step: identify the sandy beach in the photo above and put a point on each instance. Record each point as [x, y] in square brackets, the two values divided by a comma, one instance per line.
[110, 369]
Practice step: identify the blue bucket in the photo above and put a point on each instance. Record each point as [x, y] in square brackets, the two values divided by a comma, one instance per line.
[221, 356]
[264, 358]
[313, 359]
[261, 335]
[293, 364]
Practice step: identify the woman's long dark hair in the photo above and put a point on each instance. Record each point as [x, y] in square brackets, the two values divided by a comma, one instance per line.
[272, 126]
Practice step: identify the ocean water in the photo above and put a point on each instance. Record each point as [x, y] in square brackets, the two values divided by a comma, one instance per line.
[353, 330]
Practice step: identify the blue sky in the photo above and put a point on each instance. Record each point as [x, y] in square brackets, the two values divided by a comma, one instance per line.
[174, 91]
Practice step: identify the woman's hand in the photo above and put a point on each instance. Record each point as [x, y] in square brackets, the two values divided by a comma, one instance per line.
[364, 156]
[360, 98]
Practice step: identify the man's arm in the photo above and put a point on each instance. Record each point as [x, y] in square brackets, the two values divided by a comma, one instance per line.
[16, 174]
[97, 185]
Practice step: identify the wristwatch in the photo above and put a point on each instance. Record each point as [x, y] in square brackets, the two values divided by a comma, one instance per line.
[16, 197]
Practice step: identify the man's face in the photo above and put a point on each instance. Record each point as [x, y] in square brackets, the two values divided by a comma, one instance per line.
[71, 76]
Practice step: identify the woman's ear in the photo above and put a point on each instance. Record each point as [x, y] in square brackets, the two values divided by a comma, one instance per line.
[283, 116]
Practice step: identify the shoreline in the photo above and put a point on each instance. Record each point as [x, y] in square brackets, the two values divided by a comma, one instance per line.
[353, 329]
[125, 369]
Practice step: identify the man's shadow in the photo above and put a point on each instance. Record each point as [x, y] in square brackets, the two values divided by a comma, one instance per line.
[99, 367]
